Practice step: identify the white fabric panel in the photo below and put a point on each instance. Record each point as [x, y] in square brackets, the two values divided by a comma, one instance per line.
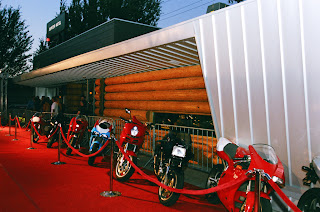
[261, 72]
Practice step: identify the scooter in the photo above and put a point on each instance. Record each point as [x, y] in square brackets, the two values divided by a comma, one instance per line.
[100, 134]
[42, 126]
[131, 139]
[310, 200]
[78, 127]
[170, 160]
[259, 162]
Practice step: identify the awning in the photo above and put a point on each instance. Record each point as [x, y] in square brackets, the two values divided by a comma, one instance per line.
[166, 48]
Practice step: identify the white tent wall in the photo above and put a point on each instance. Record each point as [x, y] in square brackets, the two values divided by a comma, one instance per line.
[260, 62]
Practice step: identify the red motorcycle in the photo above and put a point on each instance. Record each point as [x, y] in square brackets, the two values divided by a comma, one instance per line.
[131, 139]
[260, 163]
[77, 129]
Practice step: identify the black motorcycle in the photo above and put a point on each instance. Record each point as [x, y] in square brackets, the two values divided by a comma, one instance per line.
[310, 200]
[42, 126]
[170, 160]
[55, 121]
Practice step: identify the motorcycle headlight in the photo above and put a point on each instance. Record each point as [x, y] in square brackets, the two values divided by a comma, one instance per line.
[179, 151]
[278, 180]
[134, 131]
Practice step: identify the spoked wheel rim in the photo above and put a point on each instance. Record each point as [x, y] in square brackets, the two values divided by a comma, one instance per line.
[123, 166]
[171, 182]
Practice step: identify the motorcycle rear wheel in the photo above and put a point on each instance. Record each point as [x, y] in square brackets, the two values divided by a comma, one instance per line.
[92, 159]
[310, 200]
[123, 171]
[175, 179]
[72, 142]
[212, 181]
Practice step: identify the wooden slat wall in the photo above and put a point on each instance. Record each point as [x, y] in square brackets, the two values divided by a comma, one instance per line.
[178, 90]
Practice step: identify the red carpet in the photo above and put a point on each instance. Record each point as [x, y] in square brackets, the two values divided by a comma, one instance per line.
[29, 182]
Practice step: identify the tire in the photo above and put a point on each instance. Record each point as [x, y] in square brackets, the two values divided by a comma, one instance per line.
[212, 181]
[265, 205]
[156, 163]
[35, 137]
[52, 140]
[94, 149]
[72, 142]
[175, 179]
[310, 200]
[123, 171]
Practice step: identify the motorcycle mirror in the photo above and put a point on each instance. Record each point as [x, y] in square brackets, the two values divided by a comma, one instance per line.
[128, 111]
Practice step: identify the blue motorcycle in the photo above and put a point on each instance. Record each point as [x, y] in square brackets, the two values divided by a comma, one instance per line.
[100, 134]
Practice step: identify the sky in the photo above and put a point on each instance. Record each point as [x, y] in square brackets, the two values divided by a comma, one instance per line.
[37, 13]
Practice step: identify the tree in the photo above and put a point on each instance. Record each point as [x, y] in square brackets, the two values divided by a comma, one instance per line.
[142, 11]
[42, 46]
[14, 42]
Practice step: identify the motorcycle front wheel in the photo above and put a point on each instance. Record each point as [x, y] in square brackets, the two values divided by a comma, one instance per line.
[174, 179]
[92, 159]
[72, 143]
[212, 181]
[123, 170]
[156, 166]
[310, 200]
[52, 139]
[35, 136]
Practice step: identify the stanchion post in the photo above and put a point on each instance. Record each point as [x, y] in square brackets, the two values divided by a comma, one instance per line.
[111, 193]
[9, 125]
[59, 146]
[0, 122]
[31, 136]
[15, 129]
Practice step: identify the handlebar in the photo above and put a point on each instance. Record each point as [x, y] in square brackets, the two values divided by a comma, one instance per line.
[124, 119]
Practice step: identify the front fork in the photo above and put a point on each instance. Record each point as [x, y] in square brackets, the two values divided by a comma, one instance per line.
[253, 199]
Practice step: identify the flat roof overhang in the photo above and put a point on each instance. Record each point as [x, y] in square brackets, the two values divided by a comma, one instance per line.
[170, 47]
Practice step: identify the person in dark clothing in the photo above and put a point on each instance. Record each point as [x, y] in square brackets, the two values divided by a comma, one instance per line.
[83, 106]
[30, 105]
[37, 103]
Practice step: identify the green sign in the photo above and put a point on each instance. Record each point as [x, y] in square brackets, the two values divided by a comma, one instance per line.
[56, 25]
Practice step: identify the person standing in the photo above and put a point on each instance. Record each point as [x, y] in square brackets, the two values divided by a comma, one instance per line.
[83, 106]
[54, 107]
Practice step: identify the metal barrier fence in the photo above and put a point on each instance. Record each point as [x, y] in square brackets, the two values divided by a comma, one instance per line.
[201, 141]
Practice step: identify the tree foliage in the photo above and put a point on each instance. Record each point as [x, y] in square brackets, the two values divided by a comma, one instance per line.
[14, 42]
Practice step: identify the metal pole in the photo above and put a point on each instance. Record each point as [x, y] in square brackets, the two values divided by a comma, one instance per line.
[59, 145]
[0, 120]
[15, 129]
[9, 125]
[111, 193]
[31, 135]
